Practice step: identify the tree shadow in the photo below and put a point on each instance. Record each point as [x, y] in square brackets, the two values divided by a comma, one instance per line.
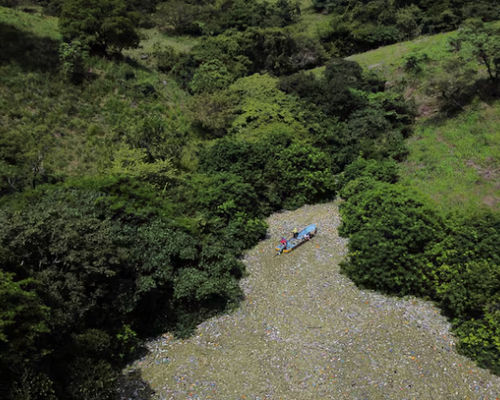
[30, 52]
[485, 90]
[135, 64]
[131, 386]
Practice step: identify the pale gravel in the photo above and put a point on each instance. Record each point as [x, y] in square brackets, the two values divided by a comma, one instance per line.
[305, 331]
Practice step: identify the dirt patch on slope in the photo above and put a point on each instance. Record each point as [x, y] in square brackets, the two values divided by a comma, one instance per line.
[305, 331]
[488, 172]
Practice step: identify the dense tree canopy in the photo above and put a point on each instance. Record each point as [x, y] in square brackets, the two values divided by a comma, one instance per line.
[101, 25]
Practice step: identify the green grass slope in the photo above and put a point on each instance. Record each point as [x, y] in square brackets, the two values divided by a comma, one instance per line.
[456, 163]
[37, 24]
[453, 161]
[73, 129]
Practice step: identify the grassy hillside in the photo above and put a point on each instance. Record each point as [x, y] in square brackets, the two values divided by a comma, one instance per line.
[453, 161]
[76, 129]
[456, 162]
[34, 22]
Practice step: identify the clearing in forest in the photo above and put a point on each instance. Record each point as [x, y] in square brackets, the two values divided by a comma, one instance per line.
[305, 331]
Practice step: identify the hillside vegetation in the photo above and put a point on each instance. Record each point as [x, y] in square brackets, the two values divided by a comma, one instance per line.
[456, 162]
[144, 143]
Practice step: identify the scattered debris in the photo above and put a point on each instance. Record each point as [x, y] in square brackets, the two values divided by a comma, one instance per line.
[305, 331]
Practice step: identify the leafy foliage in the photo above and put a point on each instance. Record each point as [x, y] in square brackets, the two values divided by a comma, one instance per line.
[127, 201]
[212, 18]
[399, 245]
[73, 58]
[210, 76]
[391, 236]
[360, 25]
[476, 40]
[100, 25]
[101, 258]
[283, 175]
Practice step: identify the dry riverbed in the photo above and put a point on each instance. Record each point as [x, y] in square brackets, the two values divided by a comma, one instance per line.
[305, 331]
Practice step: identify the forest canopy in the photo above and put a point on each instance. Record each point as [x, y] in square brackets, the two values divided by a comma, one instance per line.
[130, 186]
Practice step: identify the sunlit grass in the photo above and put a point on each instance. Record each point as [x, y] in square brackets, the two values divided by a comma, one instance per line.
[35, 23]
[311, 23]
[456, 163]
[391, 57]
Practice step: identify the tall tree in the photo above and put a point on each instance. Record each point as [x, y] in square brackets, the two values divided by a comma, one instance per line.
[100, 24]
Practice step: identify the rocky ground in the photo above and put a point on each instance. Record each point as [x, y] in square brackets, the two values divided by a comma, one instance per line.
[305, 331]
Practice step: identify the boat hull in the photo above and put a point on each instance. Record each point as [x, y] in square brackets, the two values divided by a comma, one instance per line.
[303, 236]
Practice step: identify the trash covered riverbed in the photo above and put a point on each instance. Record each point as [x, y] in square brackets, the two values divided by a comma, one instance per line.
[305, 331]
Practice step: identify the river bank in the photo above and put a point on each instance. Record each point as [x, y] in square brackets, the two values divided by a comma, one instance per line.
[305, 331]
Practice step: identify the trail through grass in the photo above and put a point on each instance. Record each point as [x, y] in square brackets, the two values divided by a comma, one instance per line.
[305, 331]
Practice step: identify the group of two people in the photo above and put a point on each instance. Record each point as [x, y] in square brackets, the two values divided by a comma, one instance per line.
[295, 234]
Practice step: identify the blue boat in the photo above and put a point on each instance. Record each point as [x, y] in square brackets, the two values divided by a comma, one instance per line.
[303, 236]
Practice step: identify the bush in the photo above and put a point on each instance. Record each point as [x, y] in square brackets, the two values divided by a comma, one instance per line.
[213, 112]
[391, 238]
[166, 57]
[465, 291]
[73, 57]
[398, 245]
[212, 75]
[413, 62]
[100, 254]
[282, 173]
[408, 21]
[455, 88]
[179, 16]
[479, 339]
[383, 171]
[333, 92]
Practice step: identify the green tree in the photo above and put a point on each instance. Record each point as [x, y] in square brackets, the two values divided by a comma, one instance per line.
[99, 24]
[483, 43]
[288, 11]
[23, 321]
[408, 21]
[213, 112]
[480, 339]
[132, 163]
[455, 87]
[210, 76]
[391, 238]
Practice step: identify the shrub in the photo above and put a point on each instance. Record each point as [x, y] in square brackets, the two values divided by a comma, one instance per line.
[408, 21]
[383, 171]
[391, 237]
[212, 75]
[455, 88]
[73, 57]
[466, 290]
[213, 112]
[413, 62]
[282, 173]
[166, 57]
[479, 339]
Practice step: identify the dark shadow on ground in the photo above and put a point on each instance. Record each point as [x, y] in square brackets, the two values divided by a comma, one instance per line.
[30, 52]
[135, 64]
[131, 386]
[484, 89]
